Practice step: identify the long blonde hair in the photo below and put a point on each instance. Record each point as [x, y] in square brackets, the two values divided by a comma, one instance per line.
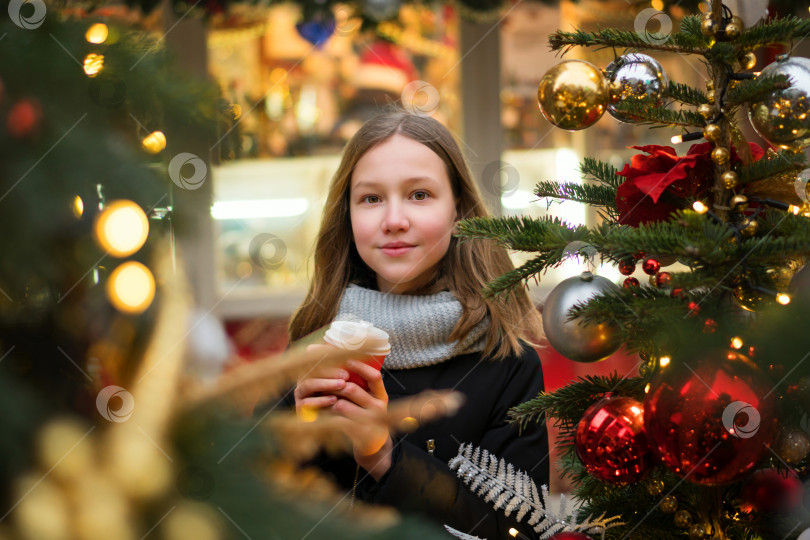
[464, 270]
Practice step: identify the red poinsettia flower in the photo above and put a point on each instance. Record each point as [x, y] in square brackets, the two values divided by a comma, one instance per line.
[661, 182]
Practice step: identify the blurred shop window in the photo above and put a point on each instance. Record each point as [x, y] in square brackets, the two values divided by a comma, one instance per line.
[298, 104]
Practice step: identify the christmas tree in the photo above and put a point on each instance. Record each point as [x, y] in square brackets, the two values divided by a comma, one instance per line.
[108, 429]
[710, 439]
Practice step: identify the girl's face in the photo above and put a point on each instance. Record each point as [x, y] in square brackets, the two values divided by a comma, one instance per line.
[400, 194]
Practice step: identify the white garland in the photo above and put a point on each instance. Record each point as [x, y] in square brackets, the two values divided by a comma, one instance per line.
[509, 490]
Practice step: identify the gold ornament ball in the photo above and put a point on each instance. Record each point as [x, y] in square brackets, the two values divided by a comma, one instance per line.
[705, 110]
[733, 30]
[669, 504]
[748, 60]
[697, 532]
[712, 132]
[655, 487]
[793, 445]
[720, 156]
[710, 96]
[573, 95]
[707, 25]
[750, 227]
[683, 519]
[730, 180]
[710, 84]
[738, 203]
[748, 299]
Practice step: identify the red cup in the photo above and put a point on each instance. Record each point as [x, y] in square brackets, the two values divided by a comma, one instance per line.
[357, 335]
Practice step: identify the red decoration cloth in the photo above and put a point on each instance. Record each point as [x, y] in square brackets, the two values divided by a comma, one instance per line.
[641, 198]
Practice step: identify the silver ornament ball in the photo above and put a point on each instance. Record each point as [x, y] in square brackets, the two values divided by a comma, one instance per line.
[783, 117]
[572, 339]
[635, 78]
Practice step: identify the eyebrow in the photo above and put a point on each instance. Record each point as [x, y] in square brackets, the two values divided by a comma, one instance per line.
[413, 180]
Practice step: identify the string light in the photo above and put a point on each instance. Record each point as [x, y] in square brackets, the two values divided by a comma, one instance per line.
[693, 136]
[93, 64]
[699, 207]
[795, 210]
[97, 33]
[121, 228]
[78, 206]
[736, 342]
[647, 389]
[783, 298]
[664, 361]
[131, 288]
[155, 142]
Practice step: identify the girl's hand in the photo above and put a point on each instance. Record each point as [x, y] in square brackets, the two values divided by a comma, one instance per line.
[364, 419]
[317, 388]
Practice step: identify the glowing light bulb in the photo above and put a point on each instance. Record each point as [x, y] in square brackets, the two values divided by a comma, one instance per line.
[783, 298]
[736, 342]
[676, 139]
[699, 207]
[78, 206]
[664, 361]
[647, 389]
[513, 531]
[97, 33]
[154, 142]
[93, 64]
[121, 228]
[131, 288]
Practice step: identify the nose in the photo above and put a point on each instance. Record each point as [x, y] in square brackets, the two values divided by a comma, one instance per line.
[395, 218]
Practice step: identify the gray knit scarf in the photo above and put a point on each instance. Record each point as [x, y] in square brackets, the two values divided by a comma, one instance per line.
[418, 326]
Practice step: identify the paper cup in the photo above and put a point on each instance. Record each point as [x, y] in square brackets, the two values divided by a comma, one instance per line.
[355, 335]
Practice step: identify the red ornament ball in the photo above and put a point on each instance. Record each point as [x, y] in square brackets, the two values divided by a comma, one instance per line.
[711, 421]
[650, 267]
[677, 292]
[694, 308]
[640, 255]
[611, 443]
[570, 535]
[627, 267]
[771, 491]
[662, 279]
[630, 282]
[709, 326]
[23, 118]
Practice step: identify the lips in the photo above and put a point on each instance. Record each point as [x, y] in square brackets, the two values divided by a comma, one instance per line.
[396, 249]
[392, 245]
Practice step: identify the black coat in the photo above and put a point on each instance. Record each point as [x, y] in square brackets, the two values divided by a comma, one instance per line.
[423, 484]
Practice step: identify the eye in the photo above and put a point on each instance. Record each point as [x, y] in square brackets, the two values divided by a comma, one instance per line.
[425, 193]
[367, 197]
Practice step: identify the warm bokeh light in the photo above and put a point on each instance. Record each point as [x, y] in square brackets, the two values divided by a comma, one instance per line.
[93, 63]
[97, 33]
[664, 361]
[783, 298]
[131, 288]
[657, 4]
[647, 389]
[155, 142]
[676, 139]
[736, 342]
[78, 206]
[699, 207]
[121, 228]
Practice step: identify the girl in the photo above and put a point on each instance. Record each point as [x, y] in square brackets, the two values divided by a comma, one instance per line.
[386, 253]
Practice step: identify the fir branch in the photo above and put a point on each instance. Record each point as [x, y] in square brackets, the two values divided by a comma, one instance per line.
[678, 43]
[773, 31]
[644, 114]
[522, 233]
[783, 162]
[510, 489]
[686, 94]
[600, 196]
[754, 89]
[570, 402]
[603, 172]
[509, 281]
[690, 26]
